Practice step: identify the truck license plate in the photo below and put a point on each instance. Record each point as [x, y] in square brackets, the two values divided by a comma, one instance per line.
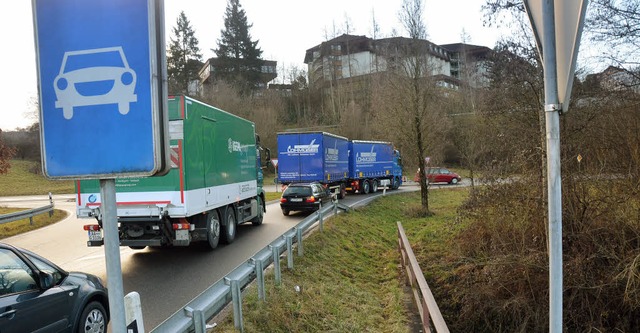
[95, 235]
[296, 199]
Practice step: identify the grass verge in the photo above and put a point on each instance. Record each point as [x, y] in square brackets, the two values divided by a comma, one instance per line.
[24, 225]
[22, 181]
[349, 279]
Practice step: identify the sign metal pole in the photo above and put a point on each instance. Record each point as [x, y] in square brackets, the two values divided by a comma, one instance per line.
[112, 254]
[552, 110]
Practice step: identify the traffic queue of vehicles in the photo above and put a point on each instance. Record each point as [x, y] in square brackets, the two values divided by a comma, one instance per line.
[340, 165]
[215, 183]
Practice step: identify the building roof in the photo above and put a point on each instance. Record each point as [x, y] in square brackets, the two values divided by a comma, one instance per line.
[475, 51]
[353, 44]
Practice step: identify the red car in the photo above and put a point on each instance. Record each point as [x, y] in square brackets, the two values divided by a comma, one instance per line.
[440, 175]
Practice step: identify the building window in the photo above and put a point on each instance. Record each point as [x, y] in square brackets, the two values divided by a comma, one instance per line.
[336, 49]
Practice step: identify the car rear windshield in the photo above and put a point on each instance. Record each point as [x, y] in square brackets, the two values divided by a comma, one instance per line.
[297, 190]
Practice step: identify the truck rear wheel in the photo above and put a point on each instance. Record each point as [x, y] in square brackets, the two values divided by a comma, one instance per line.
[365, 187]
[229, 226]
[374, 185]
[343, 192]
[213, 229]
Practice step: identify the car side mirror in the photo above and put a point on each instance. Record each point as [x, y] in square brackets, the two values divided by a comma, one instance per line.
[46, 280]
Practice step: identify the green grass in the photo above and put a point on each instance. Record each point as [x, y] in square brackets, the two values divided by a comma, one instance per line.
[349, 276]
[24, 225]
[21, 181]
[269, 196]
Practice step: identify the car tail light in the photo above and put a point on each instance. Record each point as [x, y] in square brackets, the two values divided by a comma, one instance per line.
[91, 227]
[311, 199]
[283, 199]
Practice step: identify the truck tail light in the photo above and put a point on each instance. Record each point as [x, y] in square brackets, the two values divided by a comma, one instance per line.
[91, 227]
[311, 199]
[181, 226]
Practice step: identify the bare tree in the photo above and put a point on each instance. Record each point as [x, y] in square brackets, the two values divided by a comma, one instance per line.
[616, 24]
[407, 98]
[6, 153]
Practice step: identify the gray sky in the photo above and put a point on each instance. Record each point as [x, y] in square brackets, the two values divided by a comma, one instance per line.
[285, 30]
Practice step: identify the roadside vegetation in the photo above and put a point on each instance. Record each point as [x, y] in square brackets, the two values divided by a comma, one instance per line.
[348, 278]
[25, 177]
[25, 225]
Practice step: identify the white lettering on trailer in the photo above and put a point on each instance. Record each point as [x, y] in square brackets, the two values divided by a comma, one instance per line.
[311, 148]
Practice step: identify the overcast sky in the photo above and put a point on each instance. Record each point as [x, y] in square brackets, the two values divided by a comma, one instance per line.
[285, 29]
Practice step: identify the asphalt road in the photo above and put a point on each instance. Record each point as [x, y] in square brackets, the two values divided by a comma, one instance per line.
[165, 278]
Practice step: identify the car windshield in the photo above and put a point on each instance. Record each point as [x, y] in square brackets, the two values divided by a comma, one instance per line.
[297, 190]
[97, 59]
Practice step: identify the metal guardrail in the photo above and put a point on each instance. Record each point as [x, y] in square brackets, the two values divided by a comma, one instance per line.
[425, 301]
[6, 218]
[194, 315]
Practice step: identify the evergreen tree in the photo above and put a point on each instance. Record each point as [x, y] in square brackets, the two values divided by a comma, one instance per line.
[239, 61]
[184, 59]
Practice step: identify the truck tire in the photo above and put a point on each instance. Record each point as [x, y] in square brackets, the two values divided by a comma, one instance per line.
[213, 229]
[374, 185]
[258, 219]
[229, 226]
[366, 187]
[343, 192]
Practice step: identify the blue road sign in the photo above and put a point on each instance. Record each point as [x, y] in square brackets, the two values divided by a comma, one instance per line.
[98, 80]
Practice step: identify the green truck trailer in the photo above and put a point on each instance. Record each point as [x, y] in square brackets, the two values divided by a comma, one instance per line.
[215, 183]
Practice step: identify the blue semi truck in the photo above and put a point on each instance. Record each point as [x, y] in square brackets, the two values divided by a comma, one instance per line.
[373, 164]
[314, 157]
[336, 162]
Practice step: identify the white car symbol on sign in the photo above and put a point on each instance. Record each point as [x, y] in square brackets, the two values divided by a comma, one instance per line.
[95, 77]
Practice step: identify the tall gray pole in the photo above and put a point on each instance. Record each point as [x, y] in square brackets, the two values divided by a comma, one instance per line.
[112, 255]
[552, 110]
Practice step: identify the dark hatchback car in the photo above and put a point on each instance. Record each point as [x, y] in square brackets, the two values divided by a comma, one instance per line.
[37, 295]
[304, 197]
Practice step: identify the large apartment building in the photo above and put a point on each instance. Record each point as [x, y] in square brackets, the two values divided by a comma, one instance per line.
[350, 57]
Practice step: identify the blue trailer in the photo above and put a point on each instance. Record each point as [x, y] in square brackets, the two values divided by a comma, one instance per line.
[314, 157]
[373, 164]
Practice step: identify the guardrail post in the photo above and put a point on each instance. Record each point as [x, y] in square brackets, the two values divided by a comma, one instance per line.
[199, 323]
[320, 219]
[289, 251]
[300, 247]
[51, 203]
[259, 267]
[236, 296]
[276, 264]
